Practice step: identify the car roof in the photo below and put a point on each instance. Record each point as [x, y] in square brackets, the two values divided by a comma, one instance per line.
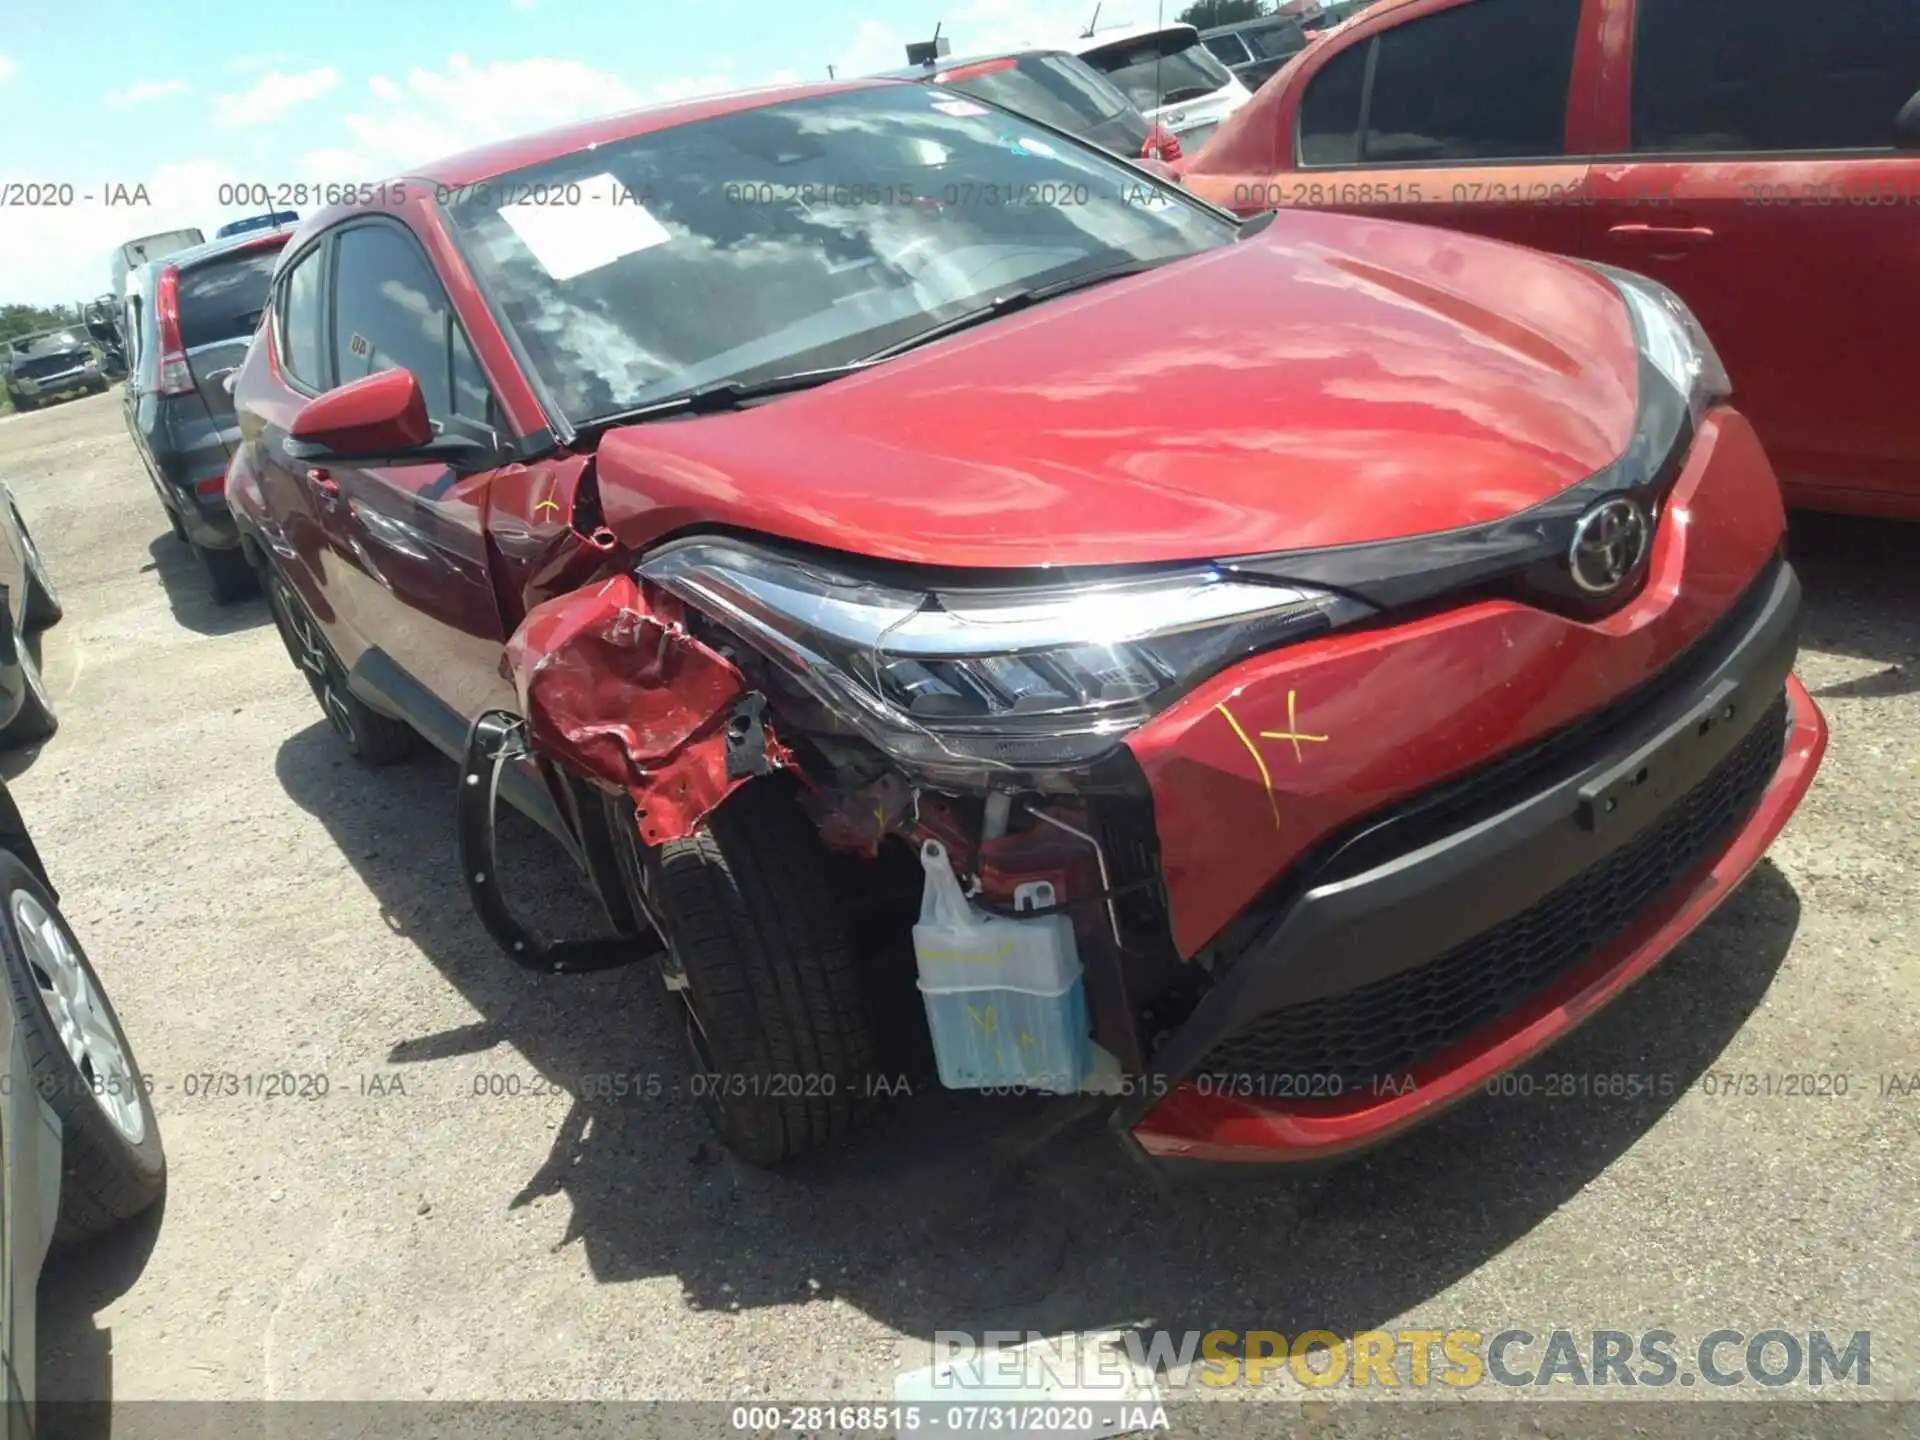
[1264, 22]
[224, 245]
[960, 62]
[1119, 34]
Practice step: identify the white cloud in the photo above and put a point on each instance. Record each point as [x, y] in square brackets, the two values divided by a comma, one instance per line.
[8, 69]
[273, 95]
[433, 113]
[141, 91]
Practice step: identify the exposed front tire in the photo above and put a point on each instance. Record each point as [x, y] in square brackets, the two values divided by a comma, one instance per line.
[763, 967]
[228, 574]
[112, 1164]
[368, 735]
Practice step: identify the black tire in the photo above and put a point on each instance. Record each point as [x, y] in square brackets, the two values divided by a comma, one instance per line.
[42, 605]
[106, 1178]
[765, 969]
[228, 574]
[370, 737]
[22, 404]
[34, 721]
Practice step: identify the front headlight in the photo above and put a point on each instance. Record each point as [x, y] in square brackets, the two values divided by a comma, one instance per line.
[1005, 678]
[1677, 356]
[27, 384]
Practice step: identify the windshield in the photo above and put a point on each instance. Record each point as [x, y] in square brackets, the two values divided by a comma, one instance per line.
[1161, 69]
[796, 236]
[1056, 90]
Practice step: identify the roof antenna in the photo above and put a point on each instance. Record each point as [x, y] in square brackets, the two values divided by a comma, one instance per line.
[927, 52]
[1092, 24]
[830, 74]
[1159, 54]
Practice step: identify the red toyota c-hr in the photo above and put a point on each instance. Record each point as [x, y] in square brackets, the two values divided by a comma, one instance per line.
[1294, 670]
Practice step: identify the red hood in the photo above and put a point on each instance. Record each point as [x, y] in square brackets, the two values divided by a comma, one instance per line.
[1329, 381]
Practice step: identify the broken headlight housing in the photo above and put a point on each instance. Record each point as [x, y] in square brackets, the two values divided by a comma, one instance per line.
[1032, 677]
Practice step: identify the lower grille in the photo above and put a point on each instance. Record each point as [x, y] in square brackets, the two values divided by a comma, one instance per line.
[1346, 1042]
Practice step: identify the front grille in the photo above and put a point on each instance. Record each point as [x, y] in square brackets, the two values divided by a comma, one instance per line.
[1389, 1027]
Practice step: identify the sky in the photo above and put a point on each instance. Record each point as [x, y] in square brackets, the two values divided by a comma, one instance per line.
[185, 97]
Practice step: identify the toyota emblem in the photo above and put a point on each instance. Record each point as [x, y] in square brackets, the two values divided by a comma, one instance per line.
[1609, 542]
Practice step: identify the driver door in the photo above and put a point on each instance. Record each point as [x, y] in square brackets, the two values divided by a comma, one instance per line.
[409, 571]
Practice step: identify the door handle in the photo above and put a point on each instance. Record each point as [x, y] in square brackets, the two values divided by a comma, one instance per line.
[1661, 236]
[328, 487]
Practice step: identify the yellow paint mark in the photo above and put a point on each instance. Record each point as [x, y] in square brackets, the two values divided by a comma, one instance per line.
[1254, 750]
[1292, 732]
[987, 1023]
[546, 505]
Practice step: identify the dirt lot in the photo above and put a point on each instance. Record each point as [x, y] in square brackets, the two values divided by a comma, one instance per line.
[259, 905]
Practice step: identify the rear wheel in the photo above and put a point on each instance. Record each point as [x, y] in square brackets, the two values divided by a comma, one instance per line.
[368, 735]
[112, 1165]
[22, 404]
[762, 966]
[228, 574]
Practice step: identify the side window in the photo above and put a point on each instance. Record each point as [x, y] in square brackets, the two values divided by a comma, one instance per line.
[391, 312]
[1330, 110]
[1228, 49]
[1487, 80]
[1720, 76]
[302, 327]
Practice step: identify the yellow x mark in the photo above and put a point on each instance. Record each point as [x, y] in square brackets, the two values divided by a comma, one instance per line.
[545, 505]
[1292, 733]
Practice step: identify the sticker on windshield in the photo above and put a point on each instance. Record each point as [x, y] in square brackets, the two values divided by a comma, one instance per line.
[570, 240]
[1028, 145]
[963, 109]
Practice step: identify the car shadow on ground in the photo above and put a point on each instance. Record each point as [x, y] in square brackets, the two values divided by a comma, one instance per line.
[955, 1212]
[1863, 583]
[191, 598]
[75, 1361]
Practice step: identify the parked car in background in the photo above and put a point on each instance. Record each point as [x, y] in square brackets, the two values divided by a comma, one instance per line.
[1766, 169]
[189, 326]
[1318, 654]
[1057, 89]
[52, 365]
[102, 319]
[1169, 75]
[136, 253]
[78, 1138]
[1254, 49]
[272, 220]
[30, 604]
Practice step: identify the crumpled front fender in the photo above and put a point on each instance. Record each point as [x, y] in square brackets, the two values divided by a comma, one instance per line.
[614, 688]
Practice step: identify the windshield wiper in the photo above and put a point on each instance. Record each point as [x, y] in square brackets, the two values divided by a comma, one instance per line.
[722, 395]
[1011, 301]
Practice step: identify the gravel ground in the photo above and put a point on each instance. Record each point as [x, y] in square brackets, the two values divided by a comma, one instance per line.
[258, 904]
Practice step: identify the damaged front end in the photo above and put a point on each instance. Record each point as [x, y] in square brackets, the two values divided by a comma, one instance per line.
[963, 740]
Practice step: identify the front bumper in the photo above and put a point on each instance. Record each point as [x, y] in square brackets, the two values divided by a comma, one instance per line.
[52, 387]
[1411, 926]
[1431, 1015]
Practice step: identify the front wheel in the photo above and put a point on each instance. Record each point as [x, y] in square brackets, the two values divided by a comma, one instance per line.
[762, 966]
[368, 735]
[112, 1165]
[41, 607]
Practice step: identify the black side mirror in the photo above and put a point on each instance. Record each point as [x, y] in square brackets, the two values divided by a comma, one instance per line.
[1906, 126]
